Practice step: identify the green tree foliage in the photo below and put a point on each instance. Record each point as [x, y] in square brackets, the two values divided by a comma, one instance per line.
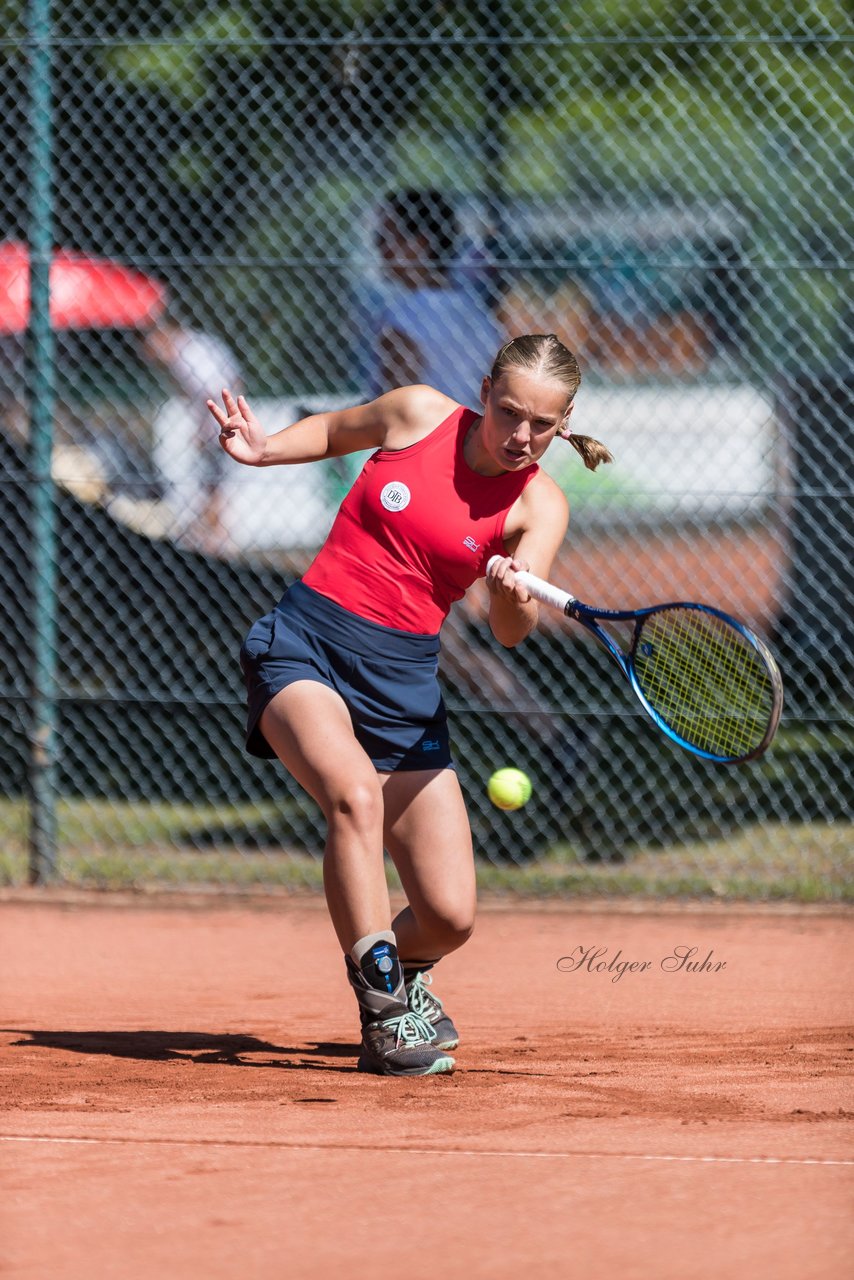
[248, 130]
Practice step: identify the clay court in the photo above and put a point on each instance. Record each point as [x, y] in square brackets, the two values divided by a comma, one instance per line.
[179, 1097]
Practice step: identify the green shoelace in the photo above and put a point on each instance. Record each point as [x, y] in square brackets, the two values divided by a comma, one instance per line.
[410, 1028]
[421, 1001]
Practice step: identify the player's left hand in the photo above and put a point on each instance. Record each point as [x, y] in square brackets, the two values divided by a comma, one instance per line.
[240, 433]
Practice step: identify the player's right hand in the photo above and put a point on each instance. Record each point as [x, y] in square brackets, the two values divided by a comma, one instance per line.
[501, 580]
[240, 433]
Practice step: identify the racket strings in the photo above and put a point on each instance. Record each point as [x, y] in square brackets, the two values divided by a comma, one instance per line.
[706, 680]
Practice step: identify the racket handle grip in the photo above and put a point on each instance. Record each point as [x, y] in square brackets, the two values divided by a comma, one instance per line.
[541, 590]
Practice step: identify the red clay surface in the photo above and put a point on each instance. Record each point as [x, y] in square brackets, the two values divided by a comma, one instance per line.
[179, 1098]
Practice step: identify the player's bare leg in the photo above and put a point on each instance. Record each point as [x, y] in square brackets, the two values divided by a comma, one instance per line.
[428, 837]
[427, 834]
[308, 726]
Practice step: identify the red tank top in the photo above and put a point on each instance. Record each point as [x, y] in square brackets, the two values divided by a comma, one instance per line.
[415, 531]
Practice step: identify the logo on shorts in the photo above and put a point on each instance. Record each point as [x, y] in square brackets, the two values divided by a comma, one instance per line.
[395, 496]
[430, 744]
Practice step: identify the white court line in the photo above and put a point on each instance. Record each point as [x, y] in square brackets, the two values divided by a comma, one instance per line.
[417, 1151]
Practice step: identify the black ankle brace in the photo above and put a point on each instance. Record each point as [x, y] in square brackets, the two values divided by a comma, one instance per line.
[411, 968]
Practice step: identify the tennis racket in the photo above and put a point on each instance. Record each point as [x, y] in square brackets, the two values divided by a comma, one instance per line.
[702, 676]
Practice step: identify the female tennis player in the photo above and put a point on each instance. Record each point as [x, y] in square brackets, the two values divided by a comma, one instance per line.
[342, 674]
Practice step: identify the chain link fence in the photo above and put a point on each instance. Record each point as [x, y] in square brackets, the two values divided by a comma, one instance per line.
[316, 200]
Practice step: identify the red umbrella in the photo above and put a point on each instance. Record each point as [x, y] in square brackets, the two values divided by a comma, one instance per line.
[85, 292]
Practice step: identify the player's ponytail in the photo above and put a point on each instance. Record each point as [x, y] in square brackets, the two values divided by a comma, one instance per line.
[591, 451]
[545, 354]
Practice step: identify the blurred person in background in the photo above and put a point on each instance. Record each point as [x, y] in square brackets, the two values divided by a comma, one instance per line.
[429, 324]
[190, 471]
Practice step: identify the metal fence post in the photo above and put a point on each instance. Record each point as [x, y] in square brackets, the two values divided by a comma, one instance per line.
[41, 380]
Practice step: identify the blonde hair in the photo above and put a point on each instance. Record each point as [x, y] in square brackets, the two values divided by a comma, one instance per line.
[545, 355]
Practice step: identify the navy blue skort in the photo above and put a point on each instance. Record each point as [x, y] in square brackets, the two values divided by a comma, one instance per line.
[387, 678]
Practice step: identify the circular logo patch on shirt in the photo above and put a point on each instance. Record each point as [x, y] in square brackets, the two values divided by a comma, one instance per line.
[395, 496]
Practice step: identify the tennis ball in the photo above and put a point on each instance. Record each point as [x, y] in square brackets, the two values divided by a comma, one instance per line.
[509, 788]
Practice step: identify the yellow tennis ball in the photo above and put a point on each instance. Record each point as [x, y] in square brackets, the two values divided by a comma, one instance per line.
[509, 788]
